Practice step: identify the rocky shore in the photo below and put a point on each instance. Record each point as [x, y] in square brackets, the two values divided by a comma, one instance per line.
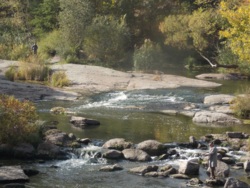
[153, 156]
[88, 80]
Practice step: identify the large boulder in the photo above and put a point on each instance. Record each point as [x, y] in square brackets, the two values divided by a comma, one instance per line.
[24, 151]
[48, 151]
[82, 122]
[207, 117]
[222, 169]
[58, 137]
[112, 154]
[9, 174]
[247, 165]
[218, 99]
[234, 183]
[189, 167]
[152, 147]
[117, 144]
[136, 155]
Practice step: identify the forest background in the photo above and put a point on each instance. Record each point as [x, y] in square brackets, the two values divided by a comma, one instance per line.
[142, 35]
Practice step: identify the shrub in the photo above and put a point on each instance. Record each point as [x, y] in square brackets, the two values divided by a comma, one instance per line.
[148, 57]
[50, 45]
[241, 106]
[59, 79]
[32, 69]
[11, 73]
[17, 120]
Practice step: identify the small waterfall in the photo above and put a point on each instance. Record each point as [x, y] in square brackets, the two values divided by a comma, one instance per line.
[88, 155]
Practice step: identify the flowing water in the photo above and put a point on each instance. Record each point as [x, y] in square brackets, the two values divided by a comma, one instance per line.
[135, 116]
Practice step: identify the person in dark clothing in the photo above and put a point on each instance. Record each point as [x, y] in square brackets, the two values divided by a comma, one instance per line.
[34, 48]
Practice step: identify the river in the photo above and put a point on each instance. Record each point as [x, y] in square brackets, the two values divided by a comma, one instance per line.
[135, 116]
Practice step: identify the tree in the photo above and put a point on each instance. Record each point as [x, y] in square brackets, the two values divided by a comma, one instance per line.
[45, 17]
[74, 17]
[238, 31]
[197, 31]
[148, 57]
[107, 39]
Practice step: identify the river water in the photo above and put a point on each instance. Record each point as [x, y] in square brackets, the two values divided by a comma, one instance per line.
[135, 116]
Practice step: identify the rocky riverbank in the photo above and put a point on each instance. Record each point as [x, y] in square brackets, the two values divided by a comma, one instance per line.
[88, 80]
[152, 158]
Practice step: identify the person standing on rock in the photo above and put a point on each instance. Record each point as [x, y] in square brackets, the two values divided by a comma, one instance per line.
[212, 163]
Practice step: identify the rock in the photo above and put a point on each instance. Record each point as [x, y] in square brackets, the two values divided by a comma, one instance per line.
[222, 109]
[222, 169]
[234, 183]
[207, 117]
[168, 169]
[194, 182]
[82, 122]
[180, 176]
[218, 99]
[58, 110]
[246, 165]
[228, 160]
[9, 174]
[14, 185]
[24, 151]
[85, 141]
[189, 167]
[154, 174]
[144, 169]
[136, 155]
[6, 151]
[117, 144]
[113, 154]
[48, 151]
[57, 137]
[215, 182]
[152, 147]
[239, 135]
[30, 172]
[111, 168]
[220, 76]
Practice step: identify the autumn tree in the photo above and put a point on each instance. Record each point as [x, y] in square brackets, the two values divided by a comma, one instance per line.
[238, 31]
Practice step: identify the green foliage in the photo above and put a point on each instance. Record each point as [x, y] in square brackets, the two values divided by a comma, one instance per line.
[107, 39]
[17, 120]
[74, 17]
[50, 45]
[148, 57]
[241, 106]
[45, 17]
[59, 79]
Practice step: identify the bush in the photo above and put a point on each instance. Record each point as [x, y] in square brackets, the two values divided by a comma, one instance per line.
[50, 45]
[148, 57]
[17, 120]
[241, 106]
[11, 73]
[59, 79]
[33, 70]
